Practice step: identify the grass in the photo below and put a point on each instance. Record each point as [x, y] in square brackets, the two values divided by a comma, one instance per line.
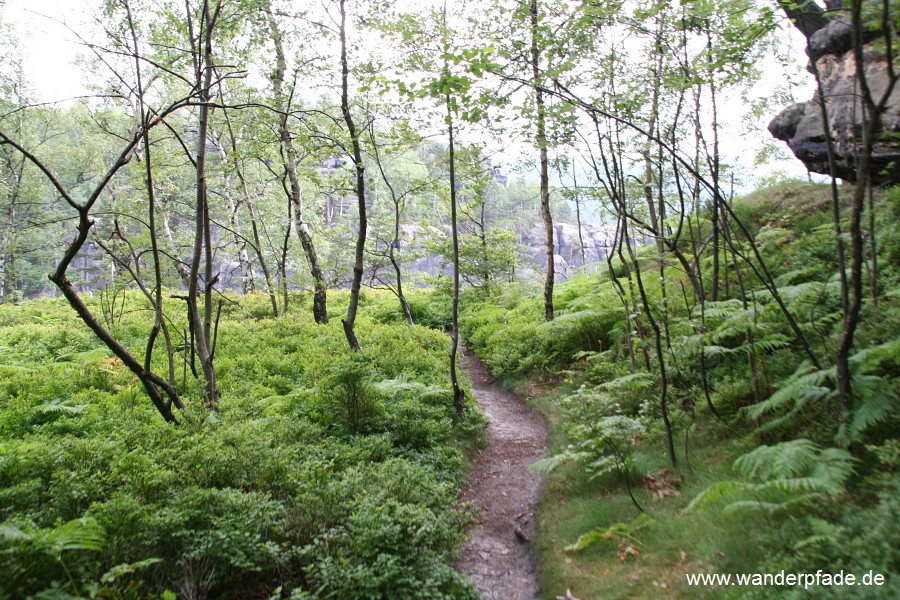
[674, 544]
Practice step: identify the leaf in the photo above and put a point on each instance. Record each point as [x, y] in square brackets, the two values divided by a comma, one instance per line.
[614, 531]
[546, 465]
[127, 569]
[715, 494]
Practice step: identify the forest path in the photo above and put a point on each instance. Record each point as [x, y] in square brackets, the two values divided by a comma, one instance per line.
[498, 555]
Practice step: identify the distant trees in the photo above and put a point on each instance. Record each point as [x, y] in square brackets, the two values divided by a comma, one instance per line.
[187, 136]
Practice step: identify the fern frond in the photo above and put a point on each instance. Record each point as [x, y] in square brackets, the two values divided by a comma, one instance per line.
[876, 409]
[546, 465]
[751, 506]
[798, 391]
[715, 494]
[78, 534]
[615, 531]
[723, 309]
[629, 382]
[797, 466]
[717, 351]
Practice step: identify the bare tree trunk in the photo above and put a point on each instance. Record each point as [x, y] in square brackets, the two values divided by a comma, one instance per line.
[578, 216]
[202, 325]
[620, 291]
[320, 299]
[714, 172]
[395, 242]
[350, 320]
[282, 265]
[541, 138]
[161, 393]
[660, 357]
[156, 299]
[749, 337]
[239, 242]
[458, 397]
[873, 254]
[6, 289]
[248, 201]
[872, 112]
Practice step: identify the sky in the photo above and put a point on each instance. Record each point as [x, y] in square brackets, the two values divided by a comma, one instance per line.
[49, 46]
[47, 29]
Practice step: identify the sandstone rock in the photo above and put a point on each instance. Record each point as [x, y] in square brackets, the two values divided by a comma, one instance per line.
[801, 126]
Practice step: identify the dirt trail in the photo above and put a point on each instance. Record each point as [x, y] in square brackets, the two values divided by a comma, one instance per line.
[499, 555]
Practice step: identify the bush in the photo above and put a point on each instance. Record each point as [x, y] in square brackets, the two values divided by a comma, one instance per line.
[234, 504]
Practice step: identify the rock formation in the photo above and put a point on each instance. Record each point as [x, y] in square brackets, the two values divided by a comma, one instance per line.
[830, 46]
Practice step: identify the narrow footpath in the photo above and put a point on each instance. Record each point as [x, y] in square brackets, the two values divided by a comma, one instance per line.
[499, 554]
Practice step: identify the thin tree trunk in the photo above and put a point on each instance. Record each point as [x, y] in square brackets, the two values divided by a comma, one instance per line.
[157, 297]
[749, 337]
[578, 216]
[541, 138]
[397, 202]
[254, 226]
[320, 299]
[873, 254]
[161, 393]
[282, 265]
[872, 113]
[350, 320]
[8, 233]
[202, 324]
[714, 173]
[660, 357]
[458, 397]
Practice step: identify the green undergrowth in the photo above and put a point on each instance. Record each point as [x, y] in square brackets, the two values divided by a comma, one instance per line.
[324, 474]
[778, 479]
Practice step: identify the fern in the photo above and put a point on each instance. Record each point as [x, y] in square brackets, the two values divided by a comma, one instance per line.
[723, 309]
[802, 388]
[78, 534]
[875, 392]
[613, 532]
[717, 351]
[629, 383]
[547, 465]
[714, 495]
[780, 479]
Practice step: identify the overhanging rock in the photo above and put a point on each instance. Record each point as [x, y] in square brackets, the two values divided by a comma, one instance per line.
[801, 126]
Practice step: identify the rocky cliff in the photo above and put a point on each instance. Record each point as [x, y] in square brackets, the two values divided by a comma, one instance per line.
[801, 126]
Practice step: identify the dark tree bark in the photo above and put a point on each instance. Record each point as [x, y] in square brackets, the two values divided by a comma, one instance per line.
[356, 284]
[458, 396]
[254, 224]
[202, 324]
[162, 394]
[806, 15]
[872, 111]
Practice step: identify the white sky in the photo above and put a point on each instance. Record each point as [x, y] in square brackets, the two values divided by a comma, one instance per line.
[50, 47]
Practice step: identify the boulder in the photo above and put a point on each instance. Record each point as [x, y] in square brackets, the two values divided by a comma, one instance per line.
[801, 125]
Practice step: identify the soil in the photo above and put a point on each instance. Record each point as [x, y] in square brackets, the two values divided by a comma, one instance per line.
[499, 554]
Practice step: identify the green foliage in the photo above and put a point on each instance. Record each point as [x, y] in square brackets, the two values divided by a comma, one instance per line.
[350, 398]
[100, 497]
[875, 394]
[510, 333]
[604, 435]
[617, 531]
[782, 479]
[857, 541]
[388, 550]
